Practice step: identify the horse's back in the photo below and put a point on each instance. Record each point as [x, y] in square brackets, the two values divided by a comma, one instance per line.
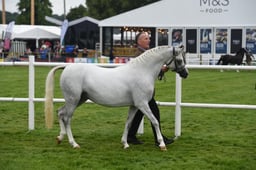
[101, 85]
[101, 74]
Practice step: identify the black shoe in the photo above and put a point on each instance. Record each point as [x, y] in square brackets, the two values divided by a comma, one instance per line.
[134, 140]
[166, 141]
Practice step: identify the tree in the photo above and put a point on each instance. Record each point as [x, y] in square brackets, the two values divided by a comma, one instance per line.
[101, 9]
[77, 12]
[9, 16]
[42, 9]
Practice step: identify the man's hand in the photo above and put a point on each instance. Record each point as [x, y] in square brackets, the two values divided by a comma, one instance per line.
[164, 68]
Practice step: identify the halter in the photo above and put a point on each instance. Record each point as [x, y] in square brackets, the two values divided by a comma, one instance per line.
[174, 57]
[174, 60]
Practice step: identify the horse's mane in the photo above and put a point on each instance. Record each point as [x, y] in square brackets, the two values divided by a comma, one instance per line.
[241, 51]
[144, 57]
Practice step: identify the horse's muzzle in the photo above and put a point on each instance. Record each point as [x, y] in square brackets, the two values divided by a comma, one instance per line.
[183, 73]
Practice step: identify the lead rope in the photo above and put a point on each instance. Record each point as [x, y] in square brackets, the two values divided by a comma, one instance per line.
[161, 74]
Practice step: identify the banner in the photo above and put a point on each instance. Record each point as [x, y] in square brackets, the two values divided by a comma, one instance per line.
[205, 40]
[221, 40]
[64, 28]
[251, 40]
[8, 35]
[176, 37]
[236, 40]
[191, 40]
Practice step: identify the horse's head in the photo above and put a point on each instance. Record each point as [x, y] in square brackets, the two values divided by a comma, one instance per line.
[249, 57]
[178, 61]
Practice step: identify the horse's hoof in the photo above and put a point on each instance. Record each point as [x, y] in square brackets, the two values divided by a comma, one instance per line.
[58, 140]
[126, 146]
[163, 148]
[76, 147]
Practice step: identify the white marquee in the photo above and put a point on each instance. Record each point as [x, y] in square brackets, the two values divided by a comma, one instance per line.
[33, 31]
[185, 13]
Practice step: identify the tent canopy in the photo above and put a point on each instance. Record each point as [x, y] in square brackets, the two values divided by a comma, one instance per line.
[33, 32]
[187, 13]
[36, 33]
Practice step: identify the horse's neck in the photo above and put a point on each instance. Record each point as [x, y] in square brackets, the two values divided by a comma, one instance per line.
[239, 55]
[148, 65]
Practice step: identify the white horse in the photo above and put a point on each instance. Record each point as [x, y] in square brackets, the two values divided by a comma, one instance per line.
[131, 84]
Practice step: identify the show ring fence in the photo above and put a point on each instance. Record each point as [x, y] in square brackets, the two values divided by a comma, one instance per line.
[178, 96]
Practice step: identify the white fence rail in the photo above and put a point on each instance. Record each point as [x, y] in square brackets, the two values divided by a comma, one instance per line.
[178, 104]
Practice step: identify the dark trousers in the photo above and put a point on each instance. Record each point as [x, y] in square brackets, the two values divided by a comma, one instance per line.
[139, 115]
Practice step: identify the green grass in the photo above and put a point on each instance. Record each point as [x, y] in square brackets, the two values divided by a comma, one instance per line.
[211, 138]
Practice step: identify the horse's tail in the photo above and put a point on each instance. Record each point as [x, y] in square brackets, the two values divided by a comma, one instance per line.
[49, 89]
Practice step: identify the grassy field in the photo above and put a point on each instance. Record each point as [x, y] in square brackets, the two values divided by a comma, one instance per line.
[222, 139]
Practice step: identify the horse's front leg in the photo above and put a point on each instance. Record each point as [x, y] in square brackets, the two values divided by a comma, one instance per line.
[147, 111]
[237, 70]
[131, 113]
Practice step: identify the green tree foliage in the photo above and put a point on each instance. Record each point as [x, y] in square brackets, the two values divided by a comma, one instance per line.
[9, 17]
[42, 9]
[101, 9]
[77, 12]
[59, 17]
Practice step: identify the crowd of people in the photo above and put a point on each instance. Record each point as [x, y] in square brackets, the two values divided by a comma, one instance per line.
[46, 50]
[58, 51]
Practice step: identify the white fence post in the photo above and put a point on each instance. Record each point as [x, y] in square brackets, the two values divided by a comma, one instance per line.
[178, 106]
[31, 92]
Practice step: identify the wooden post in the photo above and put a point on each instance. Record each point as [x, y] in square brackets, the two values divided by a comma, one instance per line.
[32, 19]
[3, 12]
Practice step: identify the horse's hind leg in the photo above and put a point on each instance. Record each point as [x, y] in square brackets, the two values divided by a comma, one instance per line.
[61, 113]
[70, 107]
[65, 114]
[69, 133]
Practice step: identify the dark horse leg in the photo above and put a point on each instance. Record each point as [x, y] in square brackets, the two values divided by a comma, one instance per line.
[221, 58]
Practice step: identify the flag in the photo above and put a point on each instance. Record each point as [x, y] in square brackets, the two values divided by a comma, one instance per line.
[64, 28]
[8, 35]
